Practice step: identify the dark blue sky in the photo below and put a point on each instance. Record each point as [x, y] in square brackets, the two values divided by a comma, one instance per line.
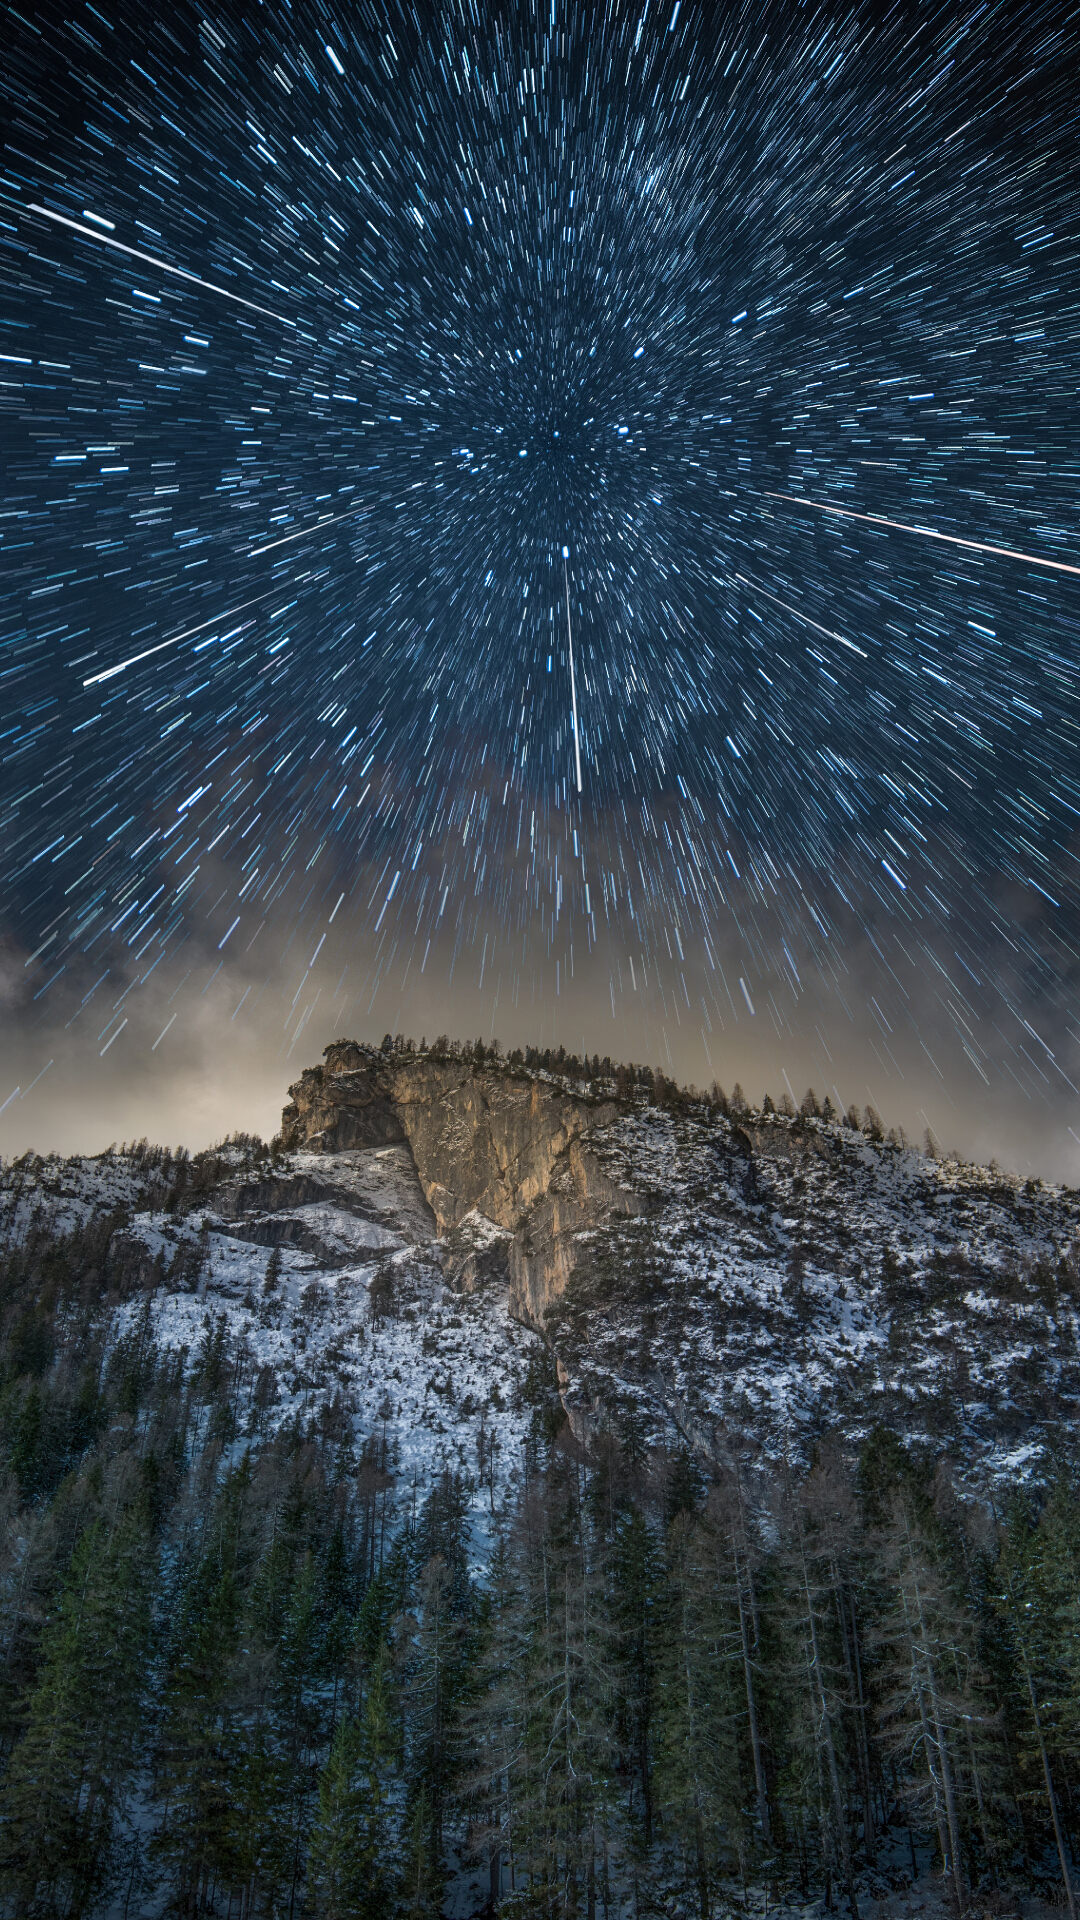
[324, 332]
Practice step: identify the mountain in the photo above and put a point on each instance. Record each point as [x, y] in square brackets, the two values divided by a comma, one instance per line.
[464, 1313]
[740, 1279]
[744, 1281]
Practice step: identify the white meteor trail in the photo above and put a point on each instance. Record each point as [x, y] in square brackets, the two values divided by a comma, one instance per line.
[929, 533]
[573, 688]
[151, 260]
[828, 632]
[219, 620]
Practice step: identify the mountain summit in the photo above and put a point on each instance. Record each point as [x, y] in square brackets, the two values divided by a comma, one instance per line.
[526, 1485]
[741, 1277]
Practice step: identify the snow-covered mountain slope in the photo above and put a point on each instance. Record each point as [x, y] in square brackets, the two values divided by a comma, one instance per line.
[747, 1282]
[324, 1274]
[788, 1279]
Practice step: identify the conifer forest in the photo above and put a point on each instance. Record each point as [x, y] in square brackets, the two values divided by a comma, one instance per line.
[255, 1672]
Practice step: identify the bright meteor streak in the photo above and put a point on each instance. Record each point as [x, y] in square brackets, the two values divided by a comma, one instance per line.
[151, 260]
[219, 620]
[313, 526]
[930, 533]
[828, 632]
[573, 688]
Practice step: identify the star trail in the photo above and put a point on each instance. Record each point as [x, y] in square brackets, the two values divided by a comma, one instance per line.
[560, 522]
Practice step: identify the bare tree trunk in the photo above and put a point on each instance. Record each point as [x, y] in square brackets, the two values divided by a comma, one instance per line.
[694, 1747]
[929, 1749]
[702, 1866]
[827, 1735]
[748, 1675]
[954, 1862]
[849, 1634]
[976, 1781]
[1051, 1796]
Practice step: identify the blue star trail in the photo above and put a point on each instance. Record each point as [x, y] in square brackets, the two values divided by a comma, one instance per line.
[351, 359]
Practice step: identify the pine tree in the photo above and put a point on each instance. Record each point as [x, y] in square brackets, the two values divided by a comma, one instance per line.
[336, 1592]
[564, 1775]
[297, 1720]
[702, 1779]
[203, 1837]
[437, 1686]
[634, 1576]
[925, 1708]
[734, 1556]
[350, 1873]
[272, 1275]
[1036, 1594]
[67, 1785]
[493, 1725]
[811, 1588]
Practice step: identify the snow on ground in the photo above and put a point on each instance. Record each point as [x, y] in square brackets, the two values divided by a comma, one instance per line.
[784, 1281]
[360, 1311]
[790, 1281]
[67, 1193]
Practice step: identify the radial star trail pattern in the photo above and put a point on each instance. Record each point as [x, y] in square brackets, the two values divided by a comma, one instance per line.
[325, 331]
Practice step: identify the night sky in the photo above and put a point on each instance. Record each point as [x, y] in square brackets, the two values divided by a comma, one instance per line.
[325, 332]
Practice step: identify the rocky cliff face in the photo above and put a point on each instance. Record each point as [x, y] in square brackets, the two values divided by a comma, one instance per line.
[747, 1284]
[753, 1274]
[485, 1141]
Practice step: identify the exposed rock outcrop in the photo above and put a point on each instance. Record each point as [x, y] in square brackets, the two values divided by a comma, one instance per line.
[787, 1282]
[546, 1249]
[485, 1140]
